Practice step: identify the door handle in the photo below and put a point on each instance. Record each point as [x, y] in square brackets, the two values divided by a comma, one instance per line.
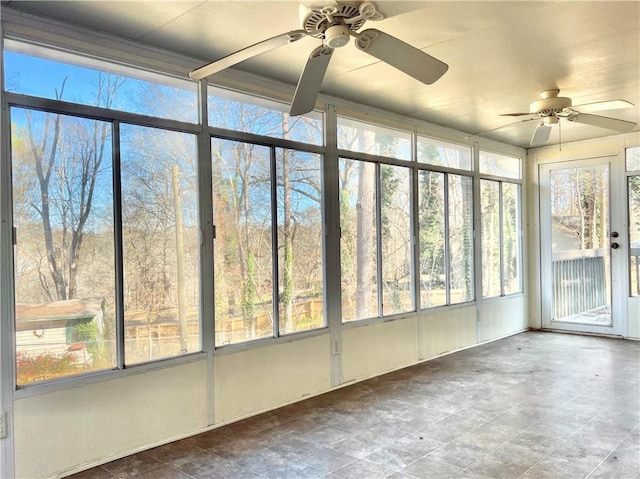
[615, 245]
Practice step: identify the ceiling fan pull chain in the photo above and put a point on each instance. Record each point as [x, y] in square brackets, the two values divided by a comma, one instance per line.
[560, 135]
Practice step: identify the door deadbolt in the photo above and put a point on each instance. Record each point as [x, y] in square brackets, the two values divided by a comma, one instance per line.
[614, 234]
[615, 245]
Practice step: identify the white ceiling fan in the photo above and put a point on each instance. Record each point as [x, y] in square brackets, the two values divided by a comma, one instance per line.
[334, 24]
[551, 108]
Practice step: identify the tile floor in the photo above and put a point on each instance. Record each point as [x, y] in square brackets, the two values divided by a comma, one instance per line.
[536, 405]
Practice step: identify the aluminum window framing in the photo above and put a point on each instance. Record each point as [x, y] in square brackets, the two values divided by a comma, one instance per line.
[518, 206]
[115, 119]
[446, 172]
[274, 144]
[519, 232]
[378, 161]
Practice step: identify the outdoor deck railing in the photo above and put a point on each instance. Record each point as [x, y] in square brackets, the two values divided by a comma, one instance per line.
[579, 282]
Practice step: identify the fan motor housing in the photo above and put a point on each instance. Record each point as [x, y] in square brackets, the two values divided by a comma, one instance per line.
[336, 36]
[550, 106]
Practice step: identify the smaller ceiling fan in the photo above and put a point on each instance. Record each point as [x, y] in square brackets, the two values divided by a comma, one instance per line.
[551, 108]
[334, 25]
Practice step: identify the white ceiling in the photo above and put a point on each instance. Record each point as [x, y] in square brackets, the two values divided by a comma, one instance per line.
[500, 54]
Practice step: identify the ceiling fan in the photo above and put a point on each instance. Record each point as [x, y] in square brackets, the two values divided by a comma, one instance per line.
[334, 25]
[551, 108]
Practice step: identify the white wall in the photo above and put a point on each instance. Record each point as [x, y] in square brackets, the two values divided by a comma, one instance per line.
[502, 317]
[259, 379]
[376, 348]
[446, 330]
[86, 425]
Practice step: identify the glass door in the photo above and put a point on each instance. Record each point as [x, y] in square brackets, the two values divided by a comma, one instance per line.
[579, 239]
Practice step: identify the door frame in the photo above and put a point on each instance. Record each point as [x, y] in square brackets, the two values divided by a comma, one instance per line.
[618, 257]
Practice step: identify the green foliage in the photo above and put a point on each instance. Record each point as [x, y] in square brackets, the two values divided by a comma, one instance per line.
[249, 293]
[87, 333]
[43, 366]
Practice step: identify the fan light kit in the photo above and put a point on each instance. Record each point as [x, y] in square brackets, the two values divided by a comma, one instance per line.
[335, 24]
[551, 108]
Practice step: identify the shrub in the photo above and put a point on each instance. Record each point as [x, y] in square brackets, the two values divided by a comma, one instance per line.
[46, 365]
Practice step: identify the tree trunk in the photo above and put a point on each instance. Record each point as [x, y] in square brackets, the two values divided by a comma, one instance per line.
[182, 313]
[364, 240]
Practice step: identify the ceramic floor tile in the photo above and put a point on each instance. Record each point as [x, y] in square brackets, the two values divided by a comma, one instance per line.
[132, 465]
[457, 455]
[94, 473]
[364, 469]
[162, 472]
[427, 468]
[295, 470]
[174, 450]
[500, 467]
[325, 459]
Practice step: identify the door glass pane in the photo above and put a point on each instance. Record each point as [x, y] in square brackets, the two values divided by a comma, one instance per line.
[160, 243]
[634, 234]
[580, 245]
[243, 274]
[64, 256]
[358, 252]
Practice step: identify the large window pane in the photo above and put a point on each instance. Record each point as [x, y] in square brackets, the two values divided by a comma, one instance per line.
[511, 238]
[243, 247]
[160, 243]
[500, 165]
[64, 257]
[441, 153]
[300, 265]
[373, 139]
[79, 79]
[395, 215]
[431, 217]
[238, 111]
[460, 238]
[358, 250]
[490, 220]
[634, 234]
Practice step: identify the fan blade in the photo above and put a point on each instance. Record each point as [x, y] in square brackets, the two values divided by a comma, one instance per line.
[304, 99]
[603, 122]
[246, 53]
[516, 114]
[603, 105]
[404, 57]
[541, 134]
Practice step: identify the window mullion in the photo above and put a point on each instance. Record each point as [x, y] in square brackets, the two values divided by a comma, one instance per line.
[379, 239]
[274, 244]
[118, 245]
[447, 243]
[501, 236]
